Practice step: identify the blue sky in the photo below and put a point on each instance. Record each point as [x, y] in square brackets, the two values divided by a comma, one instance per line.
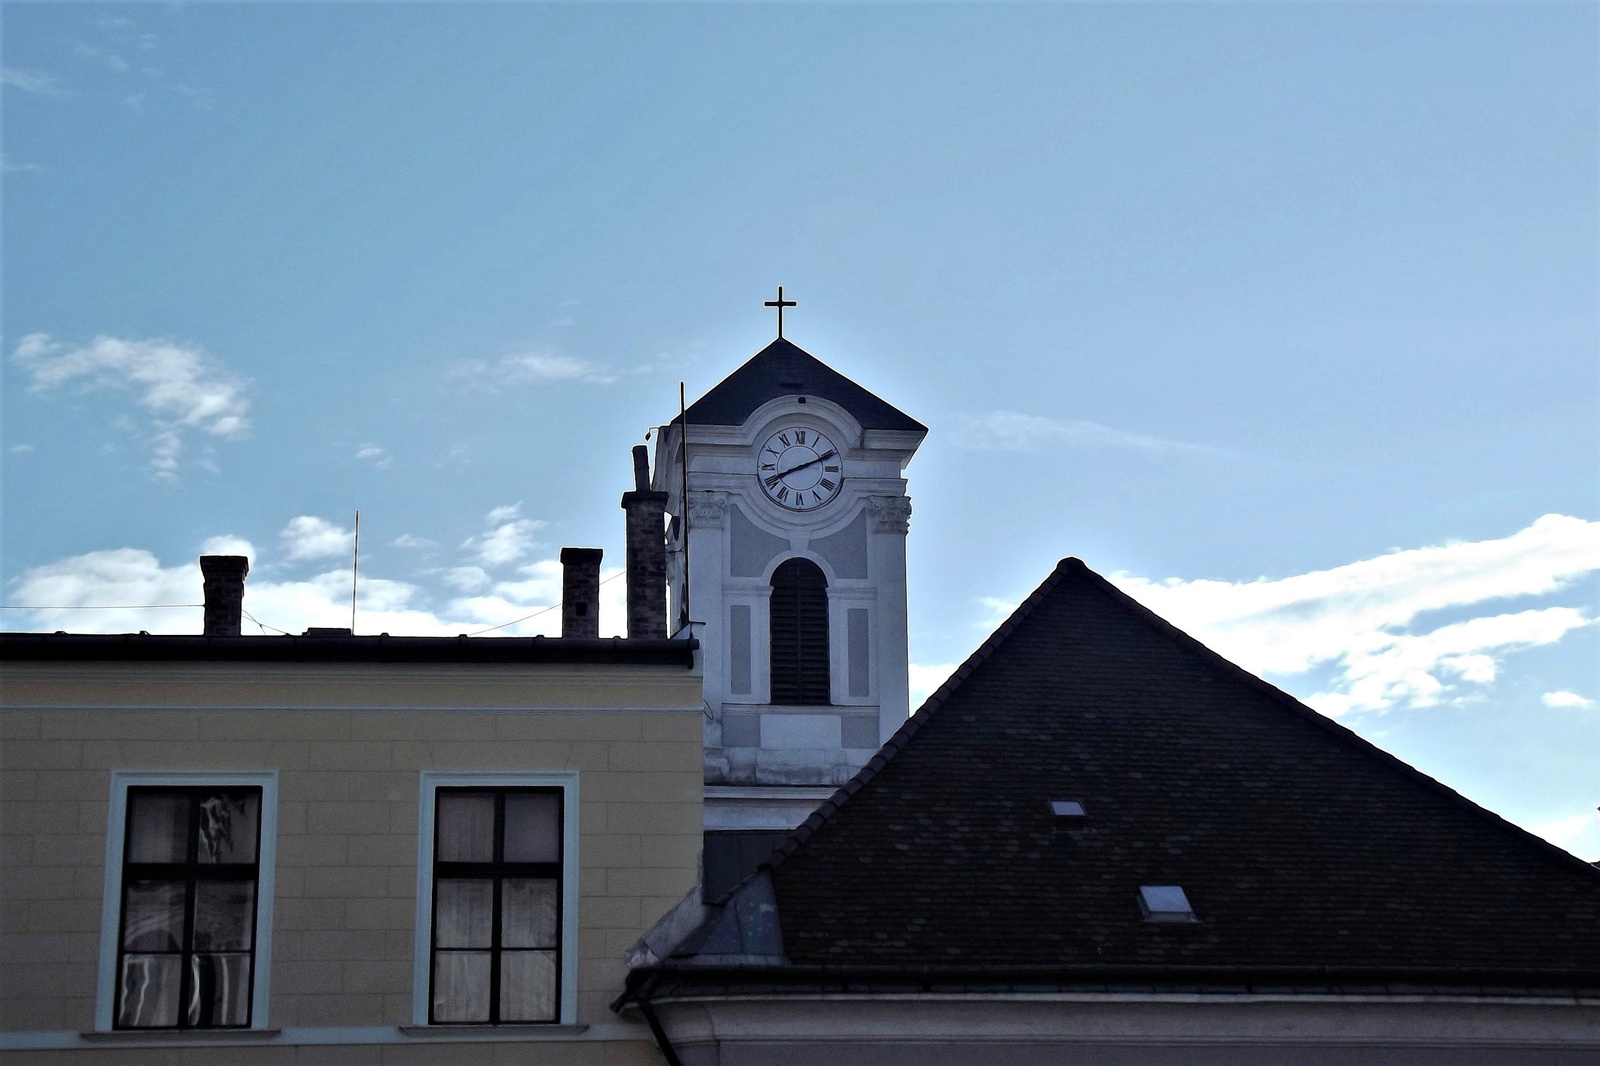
[1286, 314]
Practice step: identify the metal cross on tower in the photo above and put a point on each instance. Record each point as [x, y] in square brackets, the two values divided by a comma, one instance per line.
[780, 303]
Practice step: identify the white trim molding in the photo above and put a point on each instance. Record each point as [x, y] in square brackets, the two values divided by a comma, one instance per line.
[111, 901]
[432, 781]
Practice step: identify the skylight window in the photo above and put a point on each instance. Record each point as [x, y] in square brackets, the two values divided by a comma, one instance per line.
[1068, 809]
[1165, 903]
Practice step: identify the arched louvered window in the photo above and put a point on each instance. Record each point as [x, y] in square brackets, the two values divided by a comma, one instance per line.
[799, 617]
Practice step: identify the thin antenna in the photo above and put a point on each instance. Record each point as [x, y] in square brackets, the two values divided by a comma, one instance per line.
[683, 437]
[355, 570]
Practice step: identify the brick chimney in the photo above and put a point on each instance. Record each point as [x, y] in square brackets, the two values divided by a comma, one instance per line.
[647, 552]
[580, 592]
[224, 593]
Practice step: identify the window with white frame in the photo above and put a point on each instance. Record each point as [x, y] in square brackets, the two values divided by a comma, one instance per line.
[496, 899]
[187, 914]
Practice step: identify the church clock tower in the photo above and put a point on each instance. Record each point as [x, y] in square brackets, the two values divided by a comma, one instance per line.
[796, 570]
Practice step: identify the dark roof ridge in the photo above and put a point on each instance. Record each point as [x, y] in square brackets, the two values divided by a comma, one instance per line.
[1322, 721]
[910, 727]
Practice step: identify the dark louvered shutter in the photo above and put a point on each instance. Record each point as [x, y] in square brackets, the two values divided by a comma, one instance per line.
[799, 616]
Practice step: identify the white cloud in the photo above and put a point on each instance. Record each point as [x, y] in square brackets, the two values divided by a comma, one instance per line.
[310, 537]
[524, 368]
[1361, 619]
[508, 539]
[131, 576]
[411, 540]
[1010, 431]
[1566, 699]
[181, 387]
[376, 455]
[8, 167]
[1579, 834]
[925, 680]
[31, 81]
[20, 449]
[469, 579]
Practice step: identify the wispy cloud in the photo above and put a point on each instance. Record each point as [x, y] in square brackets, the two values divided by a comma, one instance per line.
[412, 541]
[31, 81]
[7, 166]
[181, 387]
[310, 537]
[531, 367]
[507, 538]
[1566, 699]
[102, 55]
[1011, 431]
[376, 455]
[1366, 620]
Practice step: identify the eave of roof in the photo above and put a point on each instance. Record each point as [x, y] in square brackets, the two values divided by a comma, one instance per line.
[670, 981]
[146, 647]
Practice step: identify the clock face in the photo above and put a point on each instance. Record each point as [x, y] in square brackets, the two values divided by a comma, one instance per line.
[799, 469]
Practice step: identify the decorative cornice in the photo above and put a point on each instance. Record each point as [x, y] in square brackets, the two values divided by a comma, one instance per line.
[890, 514]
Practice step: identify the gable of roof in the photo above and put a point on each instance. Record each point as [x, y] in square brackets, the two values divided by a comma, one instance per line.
[1298, 844]
[785, 369]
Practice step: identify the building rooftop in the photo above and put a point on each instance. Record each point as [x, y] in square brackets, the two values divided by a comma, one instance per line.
[1310, 858]
[342, 648]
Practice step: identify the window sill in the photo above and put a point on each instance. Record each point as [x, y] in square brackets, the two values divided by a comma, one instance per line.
[470, 1033]
[177, 1036]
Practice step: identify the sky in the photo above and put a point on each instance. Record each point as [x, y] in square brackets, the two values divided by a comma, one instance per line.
[1283, 316]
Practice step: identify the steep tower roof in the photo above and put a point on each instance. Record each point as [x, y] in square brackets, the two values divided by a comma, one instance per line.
[785, 369]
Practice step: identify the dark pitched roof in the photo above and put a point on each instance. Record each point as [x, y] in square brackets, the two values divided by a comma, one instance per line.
[785, 369]
[1303, 849]
[146, 647]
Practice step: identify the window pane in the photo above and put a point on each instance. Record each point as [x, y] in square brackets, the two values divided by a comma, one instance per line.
[528, 986]
[222, 915]
[147, 992]
[228, 826]
[158, 826]
[533, 827]
[463, 914]
[152, 918]
[219, 990]
[527, 913]
[466, 826]
[461, 986]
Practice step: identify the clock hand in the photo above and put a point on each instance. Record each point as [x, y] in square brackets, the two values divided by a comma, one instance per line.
[808, 462]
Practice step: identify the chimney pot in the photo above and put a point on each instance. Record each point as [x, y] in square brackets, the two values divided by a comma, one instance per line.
[647, 552]
[224, 593]
[641, 468]
[580, 592]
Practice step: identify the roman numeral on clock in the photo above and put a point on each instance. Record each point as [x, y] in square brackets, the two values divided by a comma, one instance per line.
[772, 482]
[827, 484]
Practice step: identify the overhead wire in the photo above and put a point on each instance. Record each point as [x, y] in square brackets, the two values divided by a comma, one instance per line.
[536, 614]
